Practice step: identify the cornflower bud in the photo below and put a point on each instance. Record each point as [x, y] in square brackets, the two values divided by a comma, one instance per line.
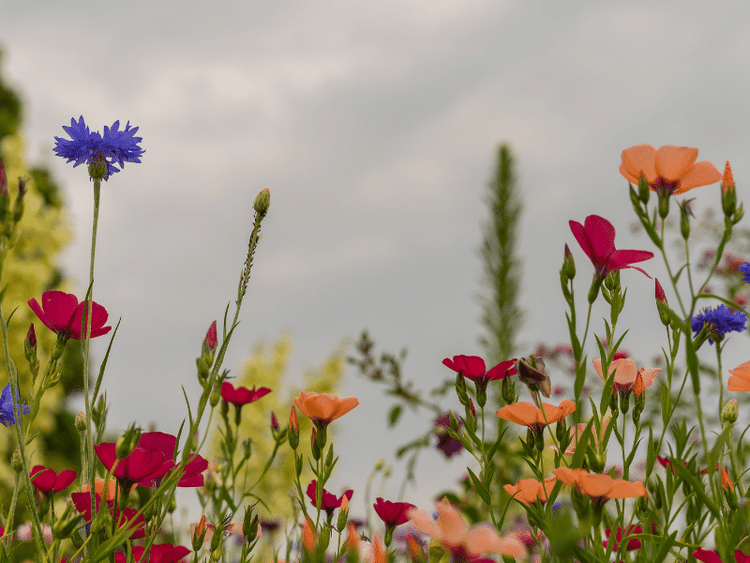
[730, 412]
[262, 201]
[16, 462]
[728, 193]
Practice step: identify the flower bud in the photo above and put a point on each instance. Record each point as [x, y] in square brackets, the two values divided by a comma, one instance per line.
[686, 213]
[569, 265]
[16, 461]
[730, 412]
[81, 421]
[18, 203]
[128, 442]
[644, 191]
[199, 534]
[343, 514]
[293, 429]
[664, 204]
[98, 168]
[728, 193]
[274, 422]
[262, 201]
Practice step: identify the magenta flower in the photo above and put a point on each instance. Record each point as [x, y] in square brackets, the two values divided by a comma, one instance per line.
[160, 553]
[632, 544]
[142, 464]
[46, 481]
[392, 513]
[712, 557]
[125, 517]
[329, 501]
[63, 314]
[241, 395]
[192, 473]
[473, 367]
[597, 239]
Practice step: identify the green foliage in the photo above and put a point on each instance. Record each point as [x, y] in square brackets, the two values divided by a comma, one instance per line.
[267, 367]
[502, 316]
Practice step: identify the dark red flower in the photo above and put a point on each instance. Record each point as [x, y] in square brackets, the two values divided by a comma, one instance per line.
[392, 513]
[62, 314]
[473, 367]
[125, 518]
[192, 473]
[211, 338]
[46, 481]
[634, 543]
[329, 501]
[241, 396]
[161, 553]
[597, 239]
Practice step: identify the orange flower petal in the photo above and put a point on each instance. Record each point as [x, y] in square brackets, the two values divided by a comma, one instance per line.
[673, 163]
[639, 160]
[740, 378]
[627, 489]
[702, 174]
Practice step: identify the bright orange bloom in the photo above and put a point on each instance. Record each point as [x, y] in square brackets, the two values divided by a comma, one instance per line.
[599, 487]
[308, 536]
[668, 170]
[740, 378]
[528, 491]
[451, 530]
[99, 488]
[626, 374]
[726, 482]
[528, 414]
[323, 408]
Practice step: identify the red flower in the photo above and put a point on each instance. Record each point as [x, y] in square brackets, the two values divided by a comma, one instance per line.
[162, 553]
[597, 239]
[46, 481]
[211, 339]
[192, 473]
[241, 395]
[712, 557]
[62, 314]
[473, 367]
[635, 543]
[126, 517]
[329, 501]
[392, 513]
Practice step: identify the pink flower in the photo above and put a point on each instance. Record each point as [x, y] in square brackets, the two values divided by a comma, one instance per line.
[597, 239]
[241, 395]
[473, 367]
[63, 314]
[161, 553]
[392, 513]
[634, 543]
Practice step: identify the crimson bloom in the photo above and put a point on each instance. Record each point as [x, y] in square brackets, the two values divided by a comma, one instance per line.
[634, 543]
[597, 239]
[392, 513]
[46, 481]
[473, 367]
[713, 557]
[161, 553]
[63, 314]
[192, 473]
[241, 395]
[140, 465]
[125, 518]
[329, 501]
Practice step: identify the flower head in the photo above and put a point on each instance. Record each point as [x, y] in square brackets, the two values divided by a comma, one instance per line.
[712, 557]
[63, 314]
[241, 395]
[632, 544]
[739, 380]
[113, 147]
[626, 374]
[473, 367]
[745, 269]
[329, 501]
[323, 408]
[160, 553]
[528, 414]
[720, 320]
[462, 541]
[597, 239]
[46, 481]
[392, 513]
[7, 414]
[669, 170]
[600, 488]
[445, 442]
[529, 491]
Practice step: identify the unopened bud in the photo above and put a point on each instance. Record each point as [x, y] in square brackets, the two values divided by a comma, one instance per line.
[16, 461]
[128, 442]
[730, 412]
[81, 421]
[728, 193]
[262, 201]
[18, 204]
[343, 514]
[274, 422]
[569, 265]
[293, 429]
[644, 191]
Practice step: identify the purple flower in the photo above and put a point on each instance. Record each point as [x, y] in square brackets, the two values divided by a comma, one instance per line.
[745, 269]
[114, 146]
[7, 416]
[721, 320]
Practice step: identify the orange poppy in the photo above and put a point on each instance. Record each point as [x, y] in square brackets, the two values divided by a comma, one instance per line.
[528, 414]
[668, 170]
[463, 542]
[323, 408]
[600, 488]
[740, 378]
[99, 488]
[528, 491]
[626, 374]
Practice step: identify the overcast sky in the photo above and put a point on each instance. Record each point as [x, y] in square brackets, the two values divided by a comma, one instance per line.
[374, 125]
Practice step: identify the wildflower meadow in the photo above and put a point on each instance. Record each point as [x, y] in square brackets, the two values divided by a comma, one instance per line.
[576, 453]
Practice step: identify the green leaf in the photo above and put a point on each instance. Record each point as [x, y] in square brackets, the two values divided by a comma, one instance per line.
[394, 415]
[480, 488]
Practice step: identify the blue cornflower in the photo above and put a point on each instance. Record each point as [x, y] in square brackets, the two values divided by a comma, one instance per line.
[721, 320]
[7, 416]
[745, 269]
[114, 147]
